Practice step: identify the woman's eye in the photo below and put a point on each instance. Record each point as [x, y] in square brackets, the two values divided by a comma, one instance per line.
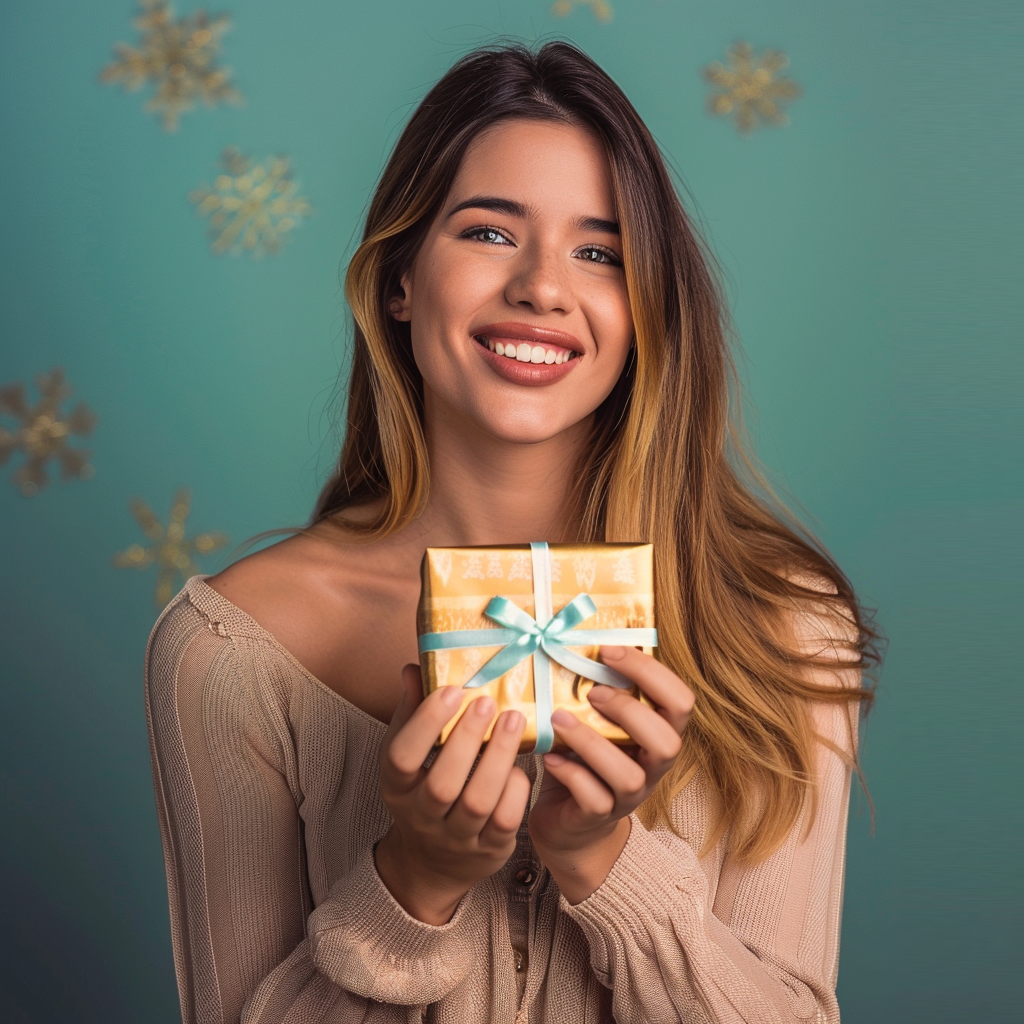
[478, 232]
[609, 257]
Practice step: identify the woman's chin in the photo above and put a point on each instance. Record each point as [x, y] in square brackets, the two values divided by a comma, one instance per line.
[532, 430]
[521, 420]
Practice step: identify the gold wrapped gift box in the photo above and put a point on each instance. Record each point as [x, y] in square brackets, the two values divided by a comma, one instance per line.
[458, 584]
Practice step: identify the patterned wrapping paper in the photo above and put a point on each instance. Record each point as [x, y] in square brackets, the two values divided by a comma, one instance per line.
[458, 584]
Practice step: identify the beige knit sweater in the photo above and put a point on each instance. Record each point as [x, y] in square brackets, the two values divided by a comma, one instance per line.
[269, 808]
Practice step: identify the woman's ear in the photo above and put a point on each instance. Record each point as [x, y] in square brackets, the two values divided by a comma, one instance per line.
[398, 305]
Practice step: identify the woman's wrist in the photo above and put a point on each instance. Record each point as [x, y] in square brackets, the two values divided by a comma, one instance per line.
[580, 873]
[426, 898]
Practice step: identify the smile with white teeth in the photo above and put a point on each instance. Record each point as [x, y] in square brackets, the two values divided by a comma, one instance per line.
[524, 352]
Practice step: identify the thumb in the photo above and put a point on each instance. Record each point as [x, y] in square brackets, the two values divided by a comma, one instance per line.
[412, 695]
[406, 705]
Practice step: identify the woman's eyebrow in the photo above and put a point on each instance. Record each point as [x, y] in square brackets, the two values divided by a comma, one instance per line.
[512, 208]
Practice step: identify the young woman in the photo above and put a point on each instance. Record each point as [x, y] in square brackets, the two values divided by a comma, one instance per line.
[539, 354]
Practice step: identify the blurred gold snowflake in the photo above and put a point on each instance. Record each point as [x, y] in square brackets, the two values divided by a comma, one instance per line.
[601, 9]
[750, 90]
[44, 432]
[171, 551]
[251, 206]
[179, 57]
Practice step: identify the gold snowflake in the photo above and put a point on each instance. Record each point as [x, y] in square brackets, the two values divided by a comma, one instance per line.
[749, 87]
[251, 206]
[601, 9]
[171, 550]
[44, 432]
[179, 57]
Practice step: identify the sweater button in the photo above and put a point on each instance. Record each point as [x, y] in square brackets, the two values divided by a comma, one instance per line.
[526, 877]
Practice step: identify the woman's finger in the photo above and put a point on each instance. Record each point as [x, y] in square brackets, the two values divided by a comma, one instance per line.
[618, 772]
[507, 815]
[673, 698]
[415, 727]
[594, 798]
[482, 793]
[447, 776]
[651, 732]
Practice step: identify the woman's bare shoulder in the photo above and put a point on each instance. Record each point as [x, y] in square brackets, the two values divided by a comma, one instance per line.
[260, 583]
[291, 590]
[315, 596]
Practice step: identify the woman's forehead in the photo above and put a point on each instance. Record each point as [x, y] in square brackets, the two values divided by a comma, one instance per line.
[529, 165]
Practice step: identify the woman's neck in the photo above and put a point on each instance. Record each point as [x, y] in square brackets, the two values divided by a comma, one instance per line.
[483, 491]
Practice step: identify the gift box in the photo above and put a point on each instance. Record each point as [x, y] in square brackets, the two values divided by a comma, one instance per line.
[523, 623]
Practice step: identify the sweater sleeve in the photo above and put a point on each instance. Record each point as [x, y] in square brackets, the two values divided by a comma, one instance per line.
[758, 944]
[249, 947]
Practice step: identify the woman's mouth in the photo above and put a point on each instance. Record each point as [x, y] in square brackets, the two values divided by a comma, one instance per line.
[527, 352]
[525, 362]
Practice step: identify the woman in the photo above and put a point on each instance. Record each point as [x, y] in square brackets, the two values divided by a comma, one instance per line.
[539, 355]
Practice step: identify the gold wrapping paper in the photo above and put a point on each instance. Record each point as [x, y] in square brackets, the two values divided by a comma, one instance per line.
[457, 585]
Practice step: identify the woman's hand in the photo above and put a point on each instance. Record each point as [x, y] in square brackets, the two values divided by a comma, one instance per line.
[447, 833]
[585, 795]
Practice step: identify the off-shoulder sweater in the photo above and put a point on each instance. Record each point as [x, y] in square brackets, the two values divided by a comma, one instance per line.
[269, 810]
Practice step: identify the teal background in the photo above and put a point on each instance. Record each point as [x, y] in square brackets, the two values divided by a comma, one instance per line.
[873, 256]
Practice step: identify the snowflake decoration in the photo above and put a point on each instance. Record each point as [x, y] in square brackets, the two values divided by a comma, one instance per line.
[624, 571]
[44, 432]
[749, 87]
[171, 550]
[472, 568]
[521, 567]
[251, 206]
[443, 564]
[601, 9]
[178, 57]
[585, 569]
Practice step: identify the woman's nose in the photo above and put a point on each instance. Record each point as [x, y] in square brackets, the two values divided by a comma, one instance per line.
[539, 281]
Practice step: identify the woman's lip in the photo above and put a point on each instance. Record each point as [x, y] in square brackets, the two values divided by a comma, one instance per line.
[525, 332]
[530, 374]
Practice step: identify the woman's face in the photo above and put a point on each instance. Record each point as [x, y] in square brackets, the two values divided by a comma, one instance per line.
[526, 239]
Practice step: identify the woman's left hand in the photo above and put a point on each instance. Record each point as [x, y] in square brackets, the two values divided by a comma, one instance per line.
[585, 794]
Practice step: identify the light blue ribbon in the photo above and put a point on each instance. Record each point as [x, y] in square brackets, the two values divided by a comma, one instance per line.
[524, 636]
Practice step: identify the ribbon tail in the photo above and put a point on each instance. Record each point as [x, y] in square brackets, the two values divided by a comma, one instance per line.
[542, 698]
[504, 661]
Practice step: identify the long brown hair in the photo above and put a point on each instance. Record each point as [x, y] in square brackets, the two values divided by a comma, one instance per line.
[667, 462]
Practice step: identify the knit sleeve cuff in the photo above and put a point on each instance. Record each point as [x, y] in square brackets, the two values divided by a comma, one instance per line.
[366, 942]
[642, 894]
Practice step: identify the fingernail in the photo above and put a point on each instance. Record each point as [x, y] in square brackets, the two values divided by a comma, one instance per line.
[452, 696]
[514, 721]
[555, 759]
[612, 653]
[564, 718]
[601, 694]
[484, 706]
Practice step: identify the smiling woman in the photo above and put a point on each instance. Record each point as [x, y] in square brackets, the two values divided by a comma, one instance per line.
[539, 353]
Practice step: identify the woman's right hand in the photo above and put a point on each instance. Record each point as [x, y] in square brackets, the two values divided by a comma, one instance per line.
[447, 833]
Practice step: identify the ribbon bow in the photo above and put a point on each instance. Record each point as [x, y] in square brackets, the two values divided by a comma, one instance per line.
[524, 636]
